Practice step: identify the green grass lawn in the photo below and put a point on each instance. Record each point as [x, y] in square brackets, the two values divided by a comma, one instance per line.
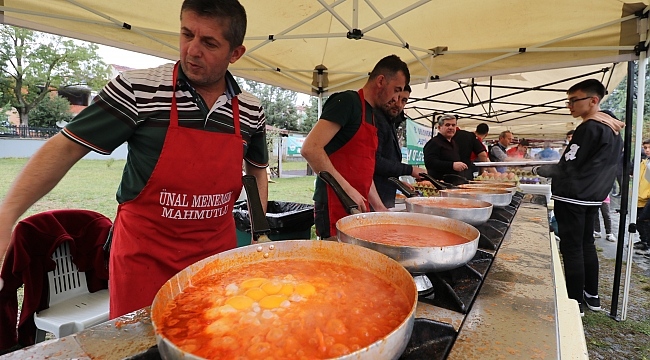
[91, 184]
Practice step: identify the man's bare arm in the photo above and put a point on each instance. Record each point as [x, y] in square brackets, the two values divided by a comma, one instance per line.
[483, 157]
[41, 174]
[313, 150]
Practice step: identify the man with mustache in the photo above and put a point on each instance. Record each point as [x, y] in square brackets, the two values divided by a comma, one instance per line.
[388, 160]
[441, 155]
[188, 127]
[344, 141]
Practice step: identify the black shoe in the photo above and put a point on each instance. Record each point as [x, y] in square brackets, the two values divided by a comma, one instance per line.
[582, 309]
[593, 303]
[640, 245]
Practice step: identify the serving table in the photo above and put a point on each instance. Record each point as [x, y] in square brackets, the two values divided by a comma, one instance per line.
[521, 310]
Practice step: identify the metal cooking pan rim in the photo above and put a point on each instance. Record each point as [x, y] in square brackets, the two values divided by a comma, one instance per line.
[419, 200]
[395, 340]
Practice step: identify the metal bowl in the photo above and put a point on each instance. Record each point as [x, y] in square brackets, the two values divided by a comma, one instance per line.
[389, 347]
[497, 186]
[471, 211]
[498, 198]
[417, 260]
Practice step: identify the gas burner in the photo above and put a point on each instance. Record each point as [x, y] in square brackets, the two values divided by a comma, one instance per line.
[423, 284]
[492, 233]
[456, 289]
[429, 340]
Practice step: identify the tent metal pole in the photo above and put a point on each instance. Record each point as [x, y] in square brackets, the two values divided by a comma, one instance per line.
[568, 36]
[338, 17]
[545, 49]
[121, 23]
[279, 71]
[297, 25]
[642, 63]
[393, 16]
[320, 105]
[404, 44]
[624, 191]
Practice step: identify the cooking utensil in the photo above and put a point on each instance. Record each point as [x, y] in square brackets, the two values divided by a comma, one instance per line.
[498, 198]
[499, 186]
[472, 211]
[259, 226]
[389, 347]
[417, 260]
[439, 184]
[407, 191]
[348, 204]
[454, 179]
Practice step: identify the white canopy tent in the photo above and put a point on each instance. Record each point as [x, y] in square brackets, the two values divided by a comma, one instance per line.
[530, 104]
[320, 46]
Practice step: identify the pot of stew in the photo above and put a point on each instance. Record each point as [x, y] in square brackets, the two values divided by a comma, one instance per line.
[293, 299]
[420, 242]
[471, 211]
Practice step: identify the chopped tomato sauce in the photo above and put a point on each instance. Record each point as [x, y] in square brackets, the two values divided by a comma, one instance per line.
[288, 309]
[406, 235]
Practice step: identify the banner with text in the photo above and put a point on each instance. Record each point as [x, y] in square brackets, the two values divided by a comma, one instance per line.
[416, 136]
[294, 144]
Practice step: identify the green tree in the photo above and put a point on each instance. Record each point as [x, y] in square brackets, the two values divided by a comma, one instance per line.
[618, 97]
[279, 104]
[49, 111]
[311, 114]
[33, 64]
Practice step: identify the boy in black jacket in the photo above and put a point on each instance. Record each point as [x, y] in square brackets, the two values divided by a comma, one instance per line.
[581, 181]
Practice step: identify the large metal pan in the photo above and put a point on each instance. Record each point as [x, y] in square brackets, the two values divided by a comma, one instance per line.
[498, 198]
[497, 186]
[417, 260]
[471, 211]
[389, 347]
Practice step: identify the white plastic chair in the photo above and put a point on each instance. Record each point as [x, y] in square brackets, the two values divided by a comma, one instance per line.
[72, 307]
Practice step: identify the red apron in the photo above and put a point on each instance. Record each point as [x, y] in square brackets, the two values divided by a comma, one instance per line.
[182, 215]
[355, 161]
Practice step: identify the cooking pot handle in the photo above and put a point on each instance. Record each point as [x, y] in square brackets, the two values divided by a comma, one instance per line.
[403, 188]
[440, 185]
[259, 226]
[348, 204]
[455, 179]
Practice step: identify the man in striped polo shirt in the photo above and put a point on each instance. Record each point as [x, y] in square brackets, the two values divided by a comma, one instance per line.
[189, 128]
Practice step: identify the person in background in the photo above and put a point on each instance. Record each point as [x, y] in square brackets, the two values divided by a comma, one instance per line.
[520, 151]
[607, 221]
[189, 127]
[569, 136]
[471, 148]
[581, 181]
[344, 142]
[567, 140]
[497, 152]
[643, 205]
[388, 159]
[441, 155]
[547, 153]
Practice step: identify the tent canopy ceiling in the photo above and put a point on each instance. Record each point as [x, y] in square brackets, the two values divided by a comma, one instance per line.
[440, 40]
[530, 104]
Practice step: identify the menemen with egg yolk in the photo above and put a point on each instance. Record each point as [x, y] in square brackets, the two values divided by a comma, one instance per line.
[289, 309]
